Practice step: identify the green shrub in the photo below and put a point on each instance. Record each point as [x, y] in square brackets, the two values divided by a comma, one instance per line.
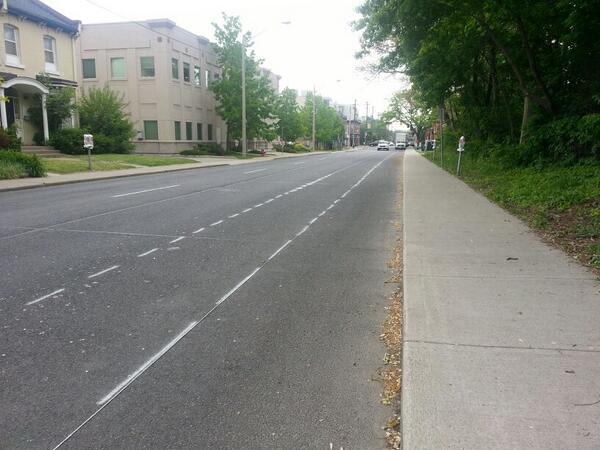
[10, 170]
[102, 111]
[301, 148]
[9, 139]
[205, 148]
[32, 165]
[70, 141]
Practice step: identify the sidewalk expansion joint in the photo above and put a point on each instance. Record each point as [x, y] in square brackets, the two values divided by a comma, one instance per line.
[506, 347]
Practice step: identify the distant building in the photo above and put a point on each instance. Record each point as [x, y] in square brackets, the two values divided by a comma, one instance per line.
[163, 72]
[37, 39]
[350, 116]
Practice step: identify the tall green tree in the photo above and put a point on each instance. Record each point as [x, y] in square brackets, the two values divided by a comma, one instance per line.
[260, 97]
[329, 128]
[406, 107]
[289, 125]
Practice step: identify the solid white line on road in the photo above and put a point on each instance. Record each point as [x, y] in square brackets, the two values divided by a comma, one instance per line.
[97, 274]
[302, 230]
[237, 286]
[145, 190]
[116, 391]
[214, 224]
[33, 302]
[254, 171]
[177, 240]
[147, 253]
[279, 250]
[234, 215]
[246, 210]
[199, 230]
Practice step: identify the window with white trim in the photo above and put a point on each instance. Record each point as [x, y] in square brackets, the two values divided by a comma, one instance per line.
[11, 44]
[50, 54]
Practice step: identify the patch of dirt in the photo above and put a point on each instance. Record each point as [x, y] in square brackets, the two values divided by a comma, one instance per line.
[390, 374]
[576, 231]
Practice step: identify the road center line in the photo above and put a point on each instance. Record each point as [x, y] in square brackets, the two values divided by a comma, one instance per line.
[237, 286]
[97, 274]
[145, 190]
[254, 171]
[33, 302]
[147, 253]
[177, 240]
[279, 250]
[146, 365]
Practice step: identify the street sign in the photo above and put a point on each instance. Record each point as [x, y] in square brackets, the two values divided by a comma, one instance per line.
[88, 141]
[461, 144]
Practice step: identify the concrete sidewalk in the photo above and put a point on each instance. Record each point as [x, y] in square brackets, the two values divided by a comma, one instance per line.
[502, 332]
[77, 177]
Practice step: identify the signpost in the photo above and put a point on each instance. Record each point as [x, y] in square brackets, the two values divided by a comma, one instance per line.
[460, 150]
[88, 144]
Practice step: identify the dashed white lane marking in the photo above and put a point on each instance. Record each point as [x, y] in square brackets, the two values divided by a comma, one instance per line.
[116, 391]
[313, 220]
[214, 224]
[330, 206]
[246, 210]
[302, 230]
[51, 294]
[97, 274]
[177, 240]
[258, 206]
[279, 250]
[145, 190]
[321, 159]
[279, 196]
[322, 213]
[336, 201]
[254, 171]
[269, 201]
[234, 215]
[296, 163]
[237, 286]
[199, 230]
[141, 255]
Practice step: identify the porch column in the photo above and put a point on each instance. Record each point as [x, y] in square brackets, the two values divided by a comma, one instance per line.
[3, 110]
[45, 118]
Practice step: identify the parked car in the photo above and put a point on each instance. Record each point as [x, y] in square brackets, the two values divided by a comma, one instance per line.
[383, 145]
[373, 144]
[400, 146]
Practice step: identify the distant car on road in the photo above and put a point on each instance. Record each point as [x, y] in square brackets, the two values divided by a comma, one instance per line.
[373, 144]
[400, 146]
[383, 145]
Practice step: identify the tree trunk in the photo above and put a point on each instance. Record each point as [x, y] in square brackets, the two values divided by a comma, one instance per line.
[526, 112]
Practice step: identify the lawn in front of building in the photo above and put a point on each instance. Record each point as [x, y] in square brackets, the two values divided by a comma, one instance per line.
[104, 162]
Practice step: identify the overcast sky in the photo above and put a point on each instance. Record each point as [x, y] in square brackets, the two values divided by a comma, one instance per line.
[317, 47]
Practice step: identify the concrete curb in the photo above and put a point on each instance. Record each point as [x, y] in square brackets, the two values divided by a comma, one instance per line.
[44, 181]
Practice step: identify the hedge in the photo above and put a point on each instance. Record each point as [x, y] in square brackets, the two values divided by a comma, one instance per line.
[32, 165]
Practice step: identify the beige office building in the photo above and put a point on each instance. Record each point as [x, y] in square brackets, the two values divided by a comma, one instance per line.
[37, 39]
[163, 72]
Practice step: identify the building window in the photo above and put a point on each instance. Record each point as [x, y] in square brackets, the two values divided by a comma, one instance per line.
[11, 44]
[197, 76]
[206, 77]
[209, 132]
[175, 68]
[147, 66]
[50, 54]
[150, 129]
[89, 68]
[199, 131]
[186, 72]
[117, 67]
[177, 131]
[188, 131]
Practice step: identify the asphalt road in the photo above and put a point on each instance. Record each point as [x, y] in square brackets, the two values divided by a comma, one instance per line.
[233, 307]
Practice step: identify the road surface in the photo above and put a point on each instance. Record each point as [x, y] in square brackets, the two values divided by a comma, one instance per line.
[233, 307]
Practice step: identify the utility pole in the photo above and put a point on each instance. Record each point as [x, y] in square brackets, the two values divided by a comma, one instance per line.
[314, 121]
[366, 123]
[244, 143]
